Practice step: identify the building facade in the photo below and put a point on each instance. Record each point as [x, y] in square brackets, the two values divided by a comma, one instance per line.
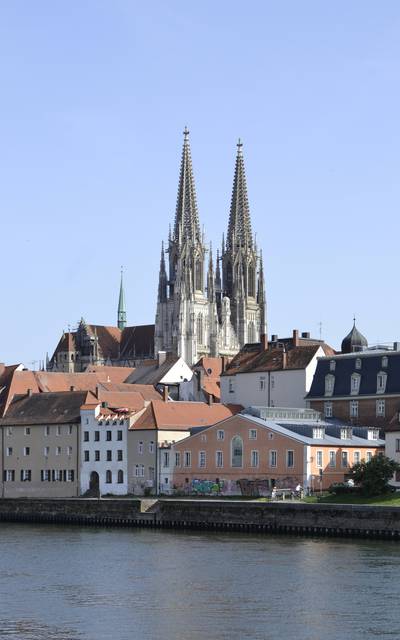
[217, 314]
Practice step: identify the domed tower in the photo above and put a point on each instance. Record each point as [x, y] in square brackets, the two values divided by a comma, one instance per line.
[354, 341]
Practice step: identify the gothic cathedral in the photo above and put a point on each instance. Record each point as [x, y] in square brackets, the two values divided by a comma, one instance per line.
[210, 316]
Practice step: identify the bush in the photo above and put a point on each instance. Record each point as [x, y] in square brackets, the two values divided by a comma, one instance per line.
[343, 489]
[373, 476]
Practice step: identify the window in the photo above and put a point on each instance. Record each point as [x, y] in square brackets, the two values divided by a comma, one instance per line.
[97, 455]
[86, 436]
[202, 459]
[332, 365]
[108, 436]
[273, 456]
[356, 457]
[86, 456]
[203, 437]
[380, 408]
[151, 473]
[26, 475]
[369, 456]
[381, 382]
[254, 459]
[108, 477]
[355, 384]
[231, 386]
[220, 434]
[46, 452]
[120, 455]
[140, 447]
[289, 459]
[358, 363]
[200, 329]
[9, 451]
[47, 431]
[318, 433]
[109, 455]
[319, 459]
[151, 447]
[121, 422]
[58, 451]
[70, 429]
[58, 430]
[120, 476]
[345, 433]
[119, 435]
[252, 434]
[70, 475]
[177, 459]
[97, 436]
[332, 459]
[9, 475]
[219, 459]
[9, 431]
[27, 451]
[328, 409]
[69, 451]
[345, 459]
[139, 470]
[165, 458]
[262, 383]
[353, 408]
[373, 434]
[272, 382]
[45, 475]
[237, 452]
[329, 384]
[384, 362]
[27, 431]
[187, 458]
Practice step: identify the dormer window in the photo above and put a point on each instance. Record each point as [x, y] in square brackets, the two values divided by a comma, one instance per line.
[318, 433]
[355, 384]
[373, 434]
[332, 365]
[346, 433]
[329, 384]
[381, 382]
[384, 362]
[358, 363]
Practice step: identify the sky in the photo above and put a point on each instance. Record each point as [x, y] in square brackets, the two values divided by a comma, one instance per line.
[94, 96]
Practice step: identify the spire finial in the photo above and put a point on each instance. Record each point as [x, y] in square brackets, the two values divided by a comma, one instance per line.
[239, 146]
[354, 319]
[186, 134]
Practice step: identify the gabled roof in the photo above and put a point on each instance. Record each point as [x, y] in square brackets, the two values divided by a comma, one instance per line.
[137, 342]
[273, 360]
[183, 415]
[46, 408]
[145, 374]
[110, 374]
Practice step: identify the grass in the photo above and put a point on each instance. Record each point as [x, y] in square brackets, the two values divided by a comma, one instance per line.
[385, 500]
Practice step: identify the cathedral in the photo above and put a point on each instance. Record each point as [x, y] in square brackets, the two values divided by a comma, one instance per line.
[205, 309]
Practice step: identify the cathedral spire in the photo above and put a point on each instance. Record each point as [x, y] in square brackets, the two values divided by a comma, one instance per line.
[186, 216]
[121, 304]
[261, 298]
[210, 278]
[239, 226]
[162, 281]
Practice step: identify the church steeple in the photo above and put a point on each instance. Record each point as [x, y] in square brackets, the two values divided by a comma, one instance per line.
[186, 216]
[239, 226]
[162, 281]
[121, 304]
[210, 278]
[261, 298]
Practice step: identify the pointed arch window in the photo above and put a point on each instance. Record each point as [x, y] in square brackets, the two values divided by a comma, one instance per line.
[199, 275]
[381, 382]
[251, 332]
[251, 286]
[237, 451]
[200, 334]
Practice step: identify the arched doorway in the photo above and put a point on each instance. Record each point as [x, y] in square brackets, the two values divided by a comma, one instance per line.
[94, 484]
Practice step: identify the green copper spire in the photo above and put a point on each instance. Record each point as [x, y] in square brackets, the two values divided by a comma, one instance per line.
[121, 304]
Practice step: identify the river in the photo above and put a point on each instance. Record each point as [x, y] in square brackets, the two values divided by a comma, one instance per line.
[72, 583]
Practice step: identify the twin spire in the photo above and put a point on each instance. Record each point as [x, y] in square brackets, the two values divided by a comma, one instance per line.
[239, 226]
[186, 216]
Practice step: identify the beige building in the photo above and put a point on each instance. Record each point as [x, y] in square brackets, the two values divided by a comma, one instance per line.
[39, 449]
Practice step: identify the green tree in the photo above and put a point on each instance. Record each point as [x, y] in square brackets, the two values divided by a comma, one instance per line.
[373, 476]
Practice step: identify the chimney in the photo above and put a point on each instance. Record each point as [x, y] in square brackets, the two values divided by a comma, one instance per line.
[72, 388]
[263, 342]
[98, 392]
[274, 337]
[210, 399]
[165, 393]
[29, 393]
[161, 358]
[295, 338]
[284, 358]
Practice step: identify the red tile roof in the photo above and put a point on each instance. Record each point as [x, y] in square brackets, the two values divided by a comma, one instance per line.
[273, 360]
[176, 416]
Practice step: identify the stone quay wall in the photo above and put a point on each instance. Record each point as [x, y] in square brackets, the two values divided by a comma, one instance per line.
[213, 515]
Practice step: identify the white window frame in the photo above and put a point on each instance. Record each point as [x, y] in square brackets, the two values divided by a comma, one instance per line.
[273, 458]
[329, 384]
[328, 409]
[220, 434]
[187, 459]
[344, 454]
[381, 381]
[355, 384]
[252, 434]
[319, 456]
[202, 459]
[219, 459]
[356, 457]
[353, 408]
[289, 451]
[380, 408]
[255, 458]
[332, 459]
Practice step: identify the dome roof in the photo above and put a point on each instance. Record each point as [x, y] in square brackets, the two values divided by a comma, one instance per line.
[354, 341]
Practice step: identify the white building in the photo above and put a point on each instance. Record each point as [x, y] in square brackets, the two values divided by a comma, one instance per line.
[392, 445]
[270, 378]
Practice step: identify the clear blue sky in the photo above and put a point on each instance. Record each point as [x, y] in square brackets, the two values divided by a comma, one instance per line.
[94, 98]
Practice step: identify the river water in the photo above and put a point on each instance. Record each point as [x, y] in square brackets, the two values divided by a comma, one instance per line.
[70, 583]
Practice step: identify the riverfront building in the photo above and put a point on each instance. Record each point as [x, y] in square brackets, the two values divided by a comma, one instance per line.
[270, 447]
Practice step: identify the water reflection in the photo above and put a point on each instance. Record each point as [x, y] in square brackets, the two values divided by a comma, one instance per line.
[93, 584]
